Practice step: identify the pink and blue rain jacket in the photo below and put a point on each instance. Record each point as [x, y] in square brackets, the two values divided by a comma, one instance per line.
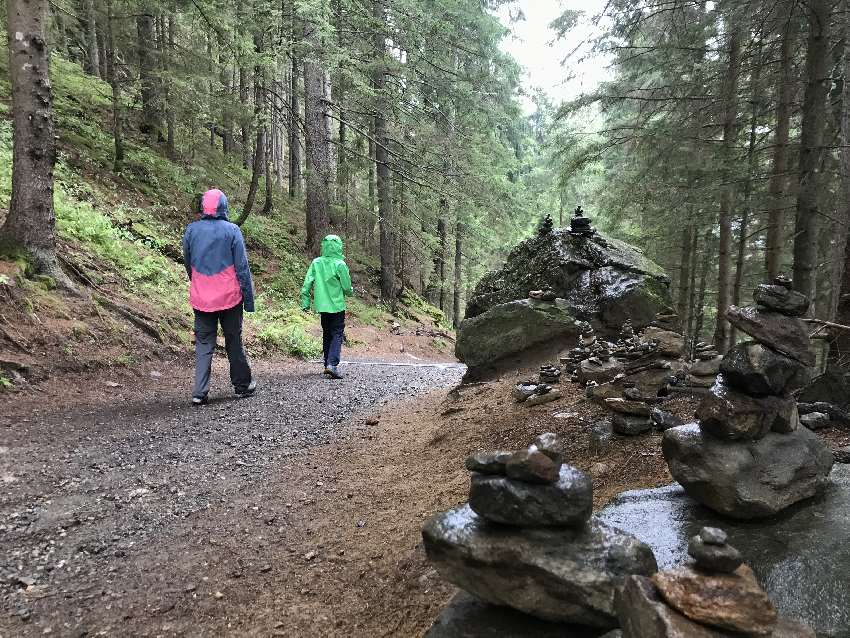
[215, 258]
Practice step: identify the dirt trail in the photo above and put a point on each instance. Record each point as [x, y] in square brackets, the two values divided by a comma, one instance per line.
[139, 515]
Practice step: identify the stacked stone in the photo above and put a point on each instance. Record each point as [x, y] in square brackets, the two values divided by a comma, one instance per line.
[702, 373]
[600, 366]
[714, 598]
[747, 457]
[531, 393]
[630, 412]
[550, 374]
[580, 224]
[572, 359]
[527, 539]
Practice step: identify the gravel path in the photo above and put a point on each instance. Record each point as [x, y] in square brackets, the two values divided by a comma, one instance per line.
[113, 516]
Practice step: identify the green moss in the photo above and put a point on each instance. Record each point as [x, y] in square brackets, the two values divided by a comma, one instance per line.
[281, 325]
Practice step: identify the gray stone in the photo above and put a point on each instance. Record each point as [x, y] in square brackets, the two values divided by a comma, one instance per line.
[551, 445]
[602, 279]
[713, 536]
[706, 367]
[601, 391]
[756, 369]
[629, 425]
[488, 462]
[728, 414]
[532, 466]
[836, 414]
[599, 371]
[558, 574]
[751, 479]
[601, 436]
[670, 344]
[511, 502]
[801, 558]
[781, 299]
[540, 399]
[512, 328]
[521, 391]
[842, 455]
[664, 420]
[467, 617]
[714, 557]
[815, 420]
[786, 335]
[626, 406]
[832, 387]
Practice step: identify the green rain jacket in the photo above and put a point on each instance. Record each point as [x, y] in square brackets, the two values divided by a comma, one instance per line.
[329, 279]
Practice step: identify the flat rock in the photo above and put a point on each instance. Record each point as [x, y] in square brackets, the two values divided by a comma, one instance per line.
[488, 462]
[801, 558]
[626, 406]
[815, 420]
[503, 500]
[467, 617]
[540, 399]
[756, 369]
[643, 614]
[558, 574]
[521, 391]
[629, 425]
[599, 372]
[731, 415]
[747, 479]
[786, 335]
[714, 557]
[706, 367]
[663, 420]
[602, 391]
[734, 602]
[670, 344]
[532, 466]
[781, 299]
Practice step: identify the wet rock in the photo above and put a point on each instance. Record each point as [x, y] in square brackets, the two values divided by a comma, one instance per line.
[802, 558]
[732, 415]
[815, 420]
[706, 367]
[551, 445]
[540, 399]
[734, 602]
[629, 425]
[532, 466]
[664, 420]
[670, 344]
[836, 414]
[599, 371]
[714, 557]
[781, 299]
[625, 406]
[713, 536]
[511, 328]
[756, 369]
[558, 574]
[747, 479]
[601, 435]
[700, 382]
[521, 391]
[488, 462]
[567, 502]
[783, 334]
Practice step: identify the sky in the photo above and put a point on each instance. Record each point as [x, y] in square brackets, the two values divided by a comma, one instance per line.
[534, 46]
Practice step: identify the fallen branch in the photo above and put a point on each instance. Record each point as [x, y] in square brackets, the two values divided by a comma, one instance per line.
[826, 324]
[143, 324]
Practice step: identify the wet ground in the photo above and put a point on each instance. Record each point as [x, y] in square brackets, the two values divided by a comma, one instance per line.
[145, 516]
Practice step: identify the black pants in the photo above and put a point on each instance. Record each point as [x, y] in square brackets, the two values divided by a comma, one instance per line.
[206, 329]
[333, 331]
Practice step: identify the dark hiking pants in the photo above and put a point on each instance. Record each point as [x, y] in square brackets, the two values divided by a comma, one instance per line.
[206, 329]
[333, 329]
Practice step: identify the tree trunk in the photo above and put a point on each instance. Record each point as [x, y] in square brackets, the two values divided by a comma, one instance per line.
[779, 178]
[115, 83]
[811, 148]
[294, 138]
[151, 124]
[31, 222]
[317, 140]
[92, 53]
[170, 117]
[268, 205]
[458, 279]
[385, 225]
[684, 292]
[727, 195]
[703, 281]
[260, 144]
[442, 255]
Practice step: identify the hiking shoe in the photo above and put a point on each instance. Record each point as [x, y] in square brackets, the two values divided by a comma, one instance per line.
[327, 370]
[246, 392]
[196, 401]
[334, 373]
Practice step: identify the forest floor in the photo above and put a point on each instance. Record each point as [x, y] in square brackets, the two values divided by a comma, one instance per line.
[296, 512]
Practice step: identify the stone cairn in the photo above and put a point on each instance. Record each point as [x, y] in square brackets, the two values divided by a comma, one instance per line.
[746, 456]
[715, 596]
[527, 539]
[531, 393]
[580, 224]
[702, 373]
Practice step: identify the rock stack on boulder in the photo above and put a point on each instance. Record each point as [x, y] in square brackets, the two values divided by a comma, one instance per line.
[527, 539]
[747, 456]
[580, 224]
[717, 596]
[702, 373]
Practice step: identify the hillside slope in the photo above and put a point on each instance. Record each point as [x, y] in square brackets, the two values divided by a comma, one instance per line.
[119, 240]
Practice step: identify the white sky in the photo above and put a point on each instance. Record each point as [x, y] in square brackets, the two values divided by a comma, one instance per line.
[534, 46]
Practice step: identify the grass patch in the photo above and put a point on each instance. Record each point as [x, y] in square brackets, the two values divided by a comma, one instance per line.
[281, 325]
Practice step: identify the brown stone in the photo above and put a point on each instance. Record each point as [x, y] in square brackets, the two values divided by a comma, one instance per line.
[625, 406]
[532, 466]
[731, 415]
[670, 343]
[734, 602]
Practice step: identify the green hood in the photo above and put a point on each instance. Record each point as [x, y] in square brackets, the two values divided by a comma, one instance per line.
[332, 247]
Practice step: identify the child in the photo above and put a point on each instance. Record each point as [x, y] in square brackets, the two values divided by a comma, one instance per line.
[330, 281]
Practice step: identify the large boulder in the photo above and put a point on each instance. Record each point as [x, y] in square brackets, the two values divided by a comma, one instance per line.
[747, 479]
[603, 280]
[512, 328]
[560, 574]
